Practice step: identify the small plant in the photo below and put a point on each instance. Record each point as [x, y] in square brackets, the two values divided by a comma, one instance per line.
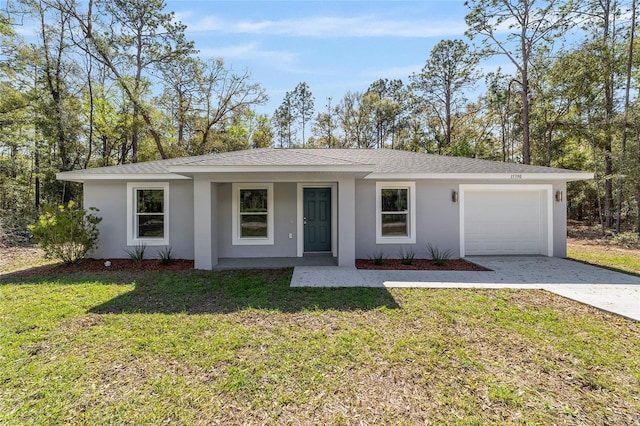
[438, 256]
[627, 239]
[66, 233]
[378, 258]
[165, 255]
[407, 256]
[136, 254]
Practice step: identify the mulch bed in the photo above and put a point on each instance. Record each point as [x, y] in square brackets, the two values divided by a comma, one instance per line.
[95, 265]
[421, 265]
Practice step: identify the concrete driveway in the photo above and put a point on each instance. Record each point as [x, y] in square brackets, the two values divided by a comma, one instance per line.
[599, 287]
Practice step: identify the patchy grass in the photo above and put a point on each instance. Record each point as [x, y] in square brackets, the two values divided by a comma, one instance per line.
[609, 256]
[244, 348]
[18, 257]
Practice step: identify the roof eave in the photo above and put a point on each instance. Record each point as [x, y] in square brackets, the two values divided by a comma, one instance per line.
[82, 177]
[514, 177]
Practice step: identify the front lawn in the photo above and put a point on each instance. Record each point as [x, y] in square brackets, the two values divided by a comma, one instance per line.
[610, 256]
[243, 348]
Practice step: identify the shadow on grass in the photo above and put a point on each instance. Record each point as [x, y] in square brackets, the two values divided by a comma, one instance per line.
[199, 292]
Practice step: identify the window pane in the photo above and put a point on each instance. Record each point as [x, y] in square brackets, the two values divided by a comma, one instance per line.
[151, 226]
[394, 225]
[253, 200]
[394, 200]
[150, 200]
[253, 225]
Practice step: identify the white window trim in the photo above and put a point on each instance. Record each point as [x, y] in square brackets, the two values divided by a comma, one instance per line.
[132, 238]
[235, 215]
[411, 237]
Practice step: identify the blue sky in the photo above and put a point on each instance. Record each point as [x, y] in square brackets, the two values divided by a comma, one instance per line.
[335, 46]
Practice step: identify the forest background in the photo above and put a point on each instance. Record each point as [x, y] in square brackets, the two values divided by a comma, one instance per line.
[111, 82]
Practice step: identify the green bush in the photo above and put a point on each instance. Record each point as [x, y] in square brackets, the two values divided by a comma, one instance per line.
[627, 239]
[66, 233]
[407, 256]
[136, 254]
[378, 258]
[438, 256]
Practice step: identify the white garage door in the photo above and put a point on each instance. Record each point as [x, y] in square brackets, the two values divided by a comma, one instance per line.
[505, 222]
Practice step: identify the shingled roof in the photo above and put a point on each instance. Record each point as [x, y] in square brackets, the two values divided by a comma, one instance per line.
[375, 162]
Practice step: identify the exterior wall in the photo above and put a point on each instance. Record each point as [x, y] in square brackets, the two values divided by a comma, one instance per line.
[560, 220]
[437, 220]
[285, 208]
[111, 198]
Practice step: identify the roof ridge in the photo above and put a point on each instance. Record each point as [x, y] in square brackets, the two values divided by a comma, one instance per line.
[317, 153]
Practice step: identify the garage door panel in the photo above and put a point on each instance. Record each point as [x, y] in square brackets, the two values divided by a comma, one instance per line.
[503, 222]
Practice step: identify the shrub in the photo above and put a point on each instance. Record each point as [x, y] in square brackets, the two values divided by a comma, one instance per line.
[136, 254]
[438, 256]
[406, 257]
[378, 258]
[627, 239]
[66, 233]
[165, 255]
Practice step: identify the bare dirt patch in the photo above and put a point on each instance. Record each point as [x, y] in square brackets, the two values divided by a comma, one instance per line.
[421, 265]
[97, 265]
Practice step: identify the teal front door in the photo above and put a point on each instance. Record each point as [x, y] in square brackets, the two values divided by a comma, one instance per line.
[317, 219]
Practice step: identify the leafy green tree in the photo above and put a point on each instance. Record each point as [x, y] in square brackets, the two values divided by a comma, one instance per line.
[283, 121]
[224, 96]
[356, 112]
[450, 72]
[302, 103]
[389, 105]
[326, 126]
[66, 232]
[529, 24]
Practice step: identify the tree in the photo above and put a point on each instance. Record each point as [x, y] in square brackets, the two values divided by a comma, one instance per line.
[224, 95]
[302, 103]
[132, 39]
[355, 119]
[531, 23]
[449, 73]
[388, 99]
[283, 121]
[326, 125]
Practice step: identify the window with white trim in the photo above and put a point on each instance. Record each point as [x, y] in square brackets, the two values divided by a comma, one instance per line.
[148, 213]
[252, 221]
[395, 213]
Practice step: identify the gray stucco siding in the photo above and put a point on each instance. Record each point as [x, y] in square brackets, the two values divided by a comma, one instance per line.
[110, 197]
[436, 220]
[284, 215]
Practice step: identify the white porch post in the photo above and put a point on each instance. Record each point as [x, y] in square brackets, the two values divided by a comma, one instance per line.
[205, 253]
[346, 222]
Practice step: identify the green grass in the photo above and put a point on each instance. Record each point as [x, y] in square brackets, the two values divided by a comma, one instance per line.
[626, 261]
[245, 348]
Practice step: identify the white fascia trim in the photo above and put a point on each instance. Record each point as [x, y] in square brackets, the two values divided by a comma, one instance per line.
[511, 177]
[547, 189]
[409, 239]
[273, 168]
[81, 177]
[132, 240]
[300, 215]
[235, 215]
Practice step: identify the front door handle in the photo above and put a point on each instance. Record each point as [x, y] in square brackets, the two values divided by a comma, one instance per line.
[304, 220]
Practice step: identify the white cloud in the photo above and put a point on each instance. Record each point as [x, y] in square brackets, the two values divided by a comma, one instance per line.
[247, 52]
[329, 27]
